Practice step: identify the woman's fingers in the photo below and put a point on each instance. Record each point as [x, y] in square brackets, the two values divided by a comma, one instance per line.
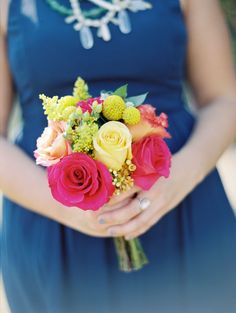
[123, 196]
[144, 219]
[139, 224]
[155, 217]
[142, 230]
[108, 208]
[121, 215]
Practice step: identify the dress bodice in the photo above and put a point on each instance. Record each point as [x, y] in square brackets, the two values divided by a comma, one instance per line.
[46, 56]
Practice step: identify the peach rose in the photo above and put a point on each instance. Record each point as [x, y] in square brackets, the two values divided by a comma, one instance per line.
[149, 124]
[52, 146]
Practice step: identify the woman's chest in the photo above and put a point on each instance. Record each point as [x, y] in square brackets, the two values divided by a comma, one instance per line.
[48, 51]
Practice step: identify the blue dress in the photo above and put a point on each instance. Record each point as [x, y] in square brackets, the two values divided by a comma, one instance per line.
[49, 268]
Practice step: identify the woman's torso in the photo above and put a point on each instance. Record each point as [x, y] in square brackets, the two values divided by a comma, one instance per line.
[187, 249]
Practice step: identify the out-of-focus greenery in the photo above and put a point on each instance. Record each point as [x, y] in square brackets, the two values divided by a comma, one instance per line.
[229, 7]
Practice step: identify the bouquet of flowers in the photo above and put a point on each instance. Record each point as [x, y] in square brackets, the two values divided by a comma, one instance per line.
[95, 148]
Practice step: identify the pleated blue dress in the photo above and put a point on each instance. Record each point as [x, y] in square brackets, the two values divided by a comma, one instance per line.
[49, 268]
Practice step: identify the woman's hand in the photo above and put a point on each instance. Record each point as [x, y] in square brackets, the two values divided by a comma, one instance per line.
[88, 222]
[130, 221]
[118, 200]
[83, 221]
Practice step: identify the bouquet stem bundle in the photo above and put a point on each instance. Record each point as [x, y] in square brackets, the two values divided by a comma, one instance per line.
[130, 253]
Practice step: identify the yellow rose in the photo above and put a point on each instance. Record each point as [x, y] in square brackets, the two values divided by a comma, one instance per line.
[112, 144]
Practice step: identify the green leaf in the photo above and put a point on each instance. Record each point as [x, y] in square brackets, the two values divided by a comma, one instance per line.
[122, 91]
[137, 100]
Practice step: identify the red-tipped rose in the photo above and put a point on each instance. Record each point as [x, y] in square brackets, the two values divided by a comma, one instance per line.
[152, 158]
[149, 124]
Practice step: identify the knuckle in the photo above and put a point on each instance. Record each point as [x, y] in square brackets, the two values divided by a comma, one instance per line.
[131, 227]
[139, 232]
[135, 224]
[118, 231]
[113, 217]
[163, 200]
[119, 216]
[131, 210]
[135, 207]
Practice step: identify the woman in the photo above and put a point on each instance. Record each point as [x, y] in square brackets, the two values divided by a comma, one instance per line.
[61, 260]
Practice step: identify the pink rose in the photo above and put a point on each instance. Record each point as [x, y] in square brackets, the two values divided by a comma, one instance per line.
[152, 158]
[52, 146]
[150, 123]
[78, 180]
[86, 105]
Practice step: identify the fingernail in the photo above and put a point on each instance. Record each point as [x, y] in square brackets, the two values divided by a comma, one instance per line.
[101, 221]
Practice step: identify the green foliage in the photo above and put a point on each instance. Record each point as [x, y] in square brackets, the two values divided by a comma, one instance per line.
[229, 7]
[137, 100]
[122, 91]
[81, 128]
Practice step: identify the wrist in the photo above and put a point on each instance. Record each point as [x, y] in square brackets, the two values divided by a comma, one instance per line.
[68, 216]
[192, 164]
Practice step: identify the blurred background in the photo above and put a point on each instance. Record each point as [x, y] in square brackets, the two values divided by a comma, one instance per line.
[226, 165]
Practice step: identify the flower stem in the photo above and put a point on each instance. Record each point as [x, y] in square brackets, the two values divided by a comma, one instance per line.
[138, 256]
[122, 254]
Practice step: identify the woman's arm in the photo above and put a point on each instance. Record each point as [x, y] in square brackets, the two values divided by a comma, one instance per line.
[20, 179]
[213, 82]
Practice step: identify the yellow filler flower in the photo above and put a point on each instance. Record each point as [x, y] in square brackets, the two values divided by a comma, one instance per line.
[113, 108]
[131, 116]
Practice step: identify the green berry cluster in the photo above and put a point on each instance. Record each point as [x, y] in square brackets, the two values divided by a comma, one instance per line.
[83, 139]
[81, 128]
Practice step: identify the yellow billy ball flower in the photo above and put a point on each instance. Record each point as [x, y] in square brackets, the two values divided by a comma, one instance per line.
[131, 116]
[113, 108]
